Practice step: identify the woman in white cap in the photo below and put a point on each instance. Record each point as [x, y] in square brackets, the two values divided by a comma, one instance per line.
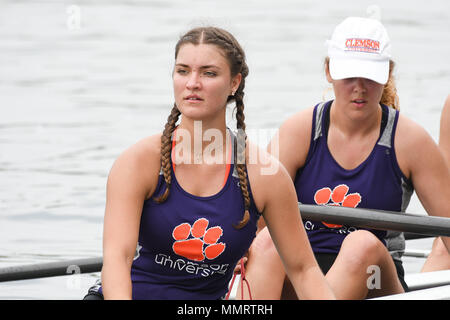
[439, 258]
[354, 151]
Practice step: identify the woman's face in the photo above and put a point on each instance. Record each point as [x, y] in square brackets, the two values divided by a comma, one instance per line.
[357, 93]
[202, 81]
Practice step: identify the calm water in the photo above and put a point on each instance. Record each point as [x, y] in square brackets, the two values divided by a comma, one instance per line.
[82, 80]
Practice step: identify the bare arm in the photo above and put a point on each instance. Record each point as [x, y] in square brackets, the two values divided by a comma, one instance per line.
[444, 142]
[444, 134]
[280, 210]
[131, 180]
[420, 158]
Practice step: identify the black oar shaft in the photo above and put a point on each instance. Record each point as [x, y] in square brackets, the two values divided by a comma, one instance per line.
[377, 219]
[51, 269]
[415, 236]
[364, 218]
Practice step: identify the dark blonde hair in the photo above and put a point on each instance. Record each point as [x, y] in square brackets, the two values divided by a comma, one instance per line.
[235, 56]
[389, 96]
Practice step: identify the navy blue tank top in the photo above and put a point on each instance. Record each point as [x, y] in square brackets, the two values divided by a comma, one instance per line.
[377, 183]
[188, 246]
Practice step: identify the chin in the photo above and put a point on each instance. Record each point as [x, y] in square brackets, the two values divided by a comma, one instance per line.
[198, 113]
[195, 115]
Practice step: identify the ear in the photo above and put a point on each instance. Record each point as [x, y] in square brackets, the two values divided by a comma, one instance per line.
[235, 82]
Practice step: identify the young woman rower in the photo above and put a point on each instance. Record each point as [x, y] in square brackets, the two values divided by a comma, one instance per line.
[355, 151]
[439, 258]
[190, 205]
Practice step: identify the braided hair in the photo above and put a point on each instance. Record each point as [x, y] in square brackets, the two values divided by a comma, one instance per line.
[235, 57]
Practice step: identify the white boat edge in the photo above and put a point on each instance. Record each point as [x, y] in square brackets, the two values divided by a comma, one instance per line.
[424, 286]
[425, 280]
[437, 293]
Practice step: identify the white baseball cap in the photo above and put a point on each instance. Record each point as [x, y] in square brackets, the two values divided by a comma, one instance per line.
[360, 48]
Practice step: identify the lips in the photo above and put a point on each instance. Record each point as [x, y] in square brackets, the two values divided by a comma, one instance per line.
[359, 102]
[193, 97]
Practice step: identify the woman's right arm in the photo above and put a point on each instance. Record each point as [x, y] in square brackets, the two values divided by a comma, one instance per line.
[444, 134]
[132, 179]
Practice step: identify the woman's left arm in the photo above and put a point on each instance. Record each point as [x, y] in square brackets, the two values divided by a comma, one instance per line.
[421, 160]
[276, 198]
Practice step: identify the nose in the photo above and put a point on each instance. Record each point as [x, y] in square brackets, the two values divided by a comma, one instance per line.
[193, 82]
[360, 85]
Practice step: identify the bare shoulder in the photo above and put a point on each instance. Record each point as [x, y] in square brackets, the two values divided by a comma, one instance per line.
[445, 120]
[444, 131]
[267, 176]
[291, 143]
[145, 151]
[414, 146]
[137, 167]
[410, 134]
[447, 103]
[299, 123]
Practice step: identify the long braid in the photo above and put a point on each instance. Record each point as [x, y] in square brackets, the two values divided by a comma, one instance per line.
[166, 152]
[240, 152]
[238, 65]
[236, 59]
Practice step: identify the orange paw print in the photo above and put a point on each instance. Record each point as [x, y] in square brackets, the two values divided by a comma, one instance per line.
[193, 248]
[339, 197]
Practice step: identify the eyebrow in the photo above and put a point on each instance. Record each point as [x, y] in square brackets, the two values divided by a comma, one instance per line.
[202, 67]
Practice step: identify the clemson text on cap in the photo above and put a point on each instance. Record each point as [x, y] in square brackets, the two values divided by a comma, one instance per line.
[363, 45]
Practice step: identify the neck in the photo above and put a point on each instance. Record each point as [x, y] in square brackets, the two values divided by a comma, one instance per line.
[355, 122]
[200, 141]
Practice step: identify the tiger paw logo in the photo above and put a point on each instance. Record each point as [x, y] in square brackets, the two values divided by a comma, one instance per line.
[194, 248]
[338, 197]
